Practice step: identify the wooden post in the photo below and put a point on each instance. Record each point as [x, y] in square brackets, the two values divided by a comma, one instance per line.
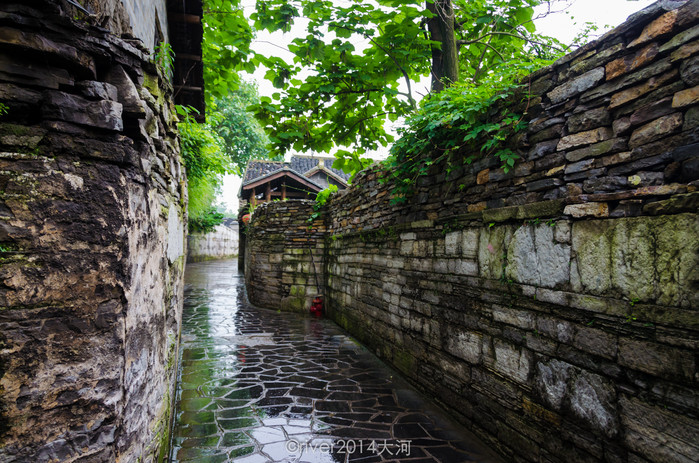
[283, 191]
[253, 198]
[268, 193]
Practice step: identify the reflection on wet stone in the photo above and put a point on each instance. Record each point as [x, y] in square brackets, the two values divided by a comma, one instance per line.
[263, 386]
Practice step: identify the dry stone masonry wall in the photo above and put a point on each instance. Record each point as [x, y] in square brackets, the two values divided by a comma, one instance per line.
[284, 255]
[553, 308]
[92, 225]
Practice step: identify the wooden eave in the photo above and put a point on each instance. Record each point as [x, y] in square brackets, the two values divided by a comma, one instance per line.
[279, 174]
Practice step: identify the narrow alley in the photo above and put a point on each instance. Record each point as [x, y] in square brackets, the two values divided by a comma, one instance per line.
[260, 386]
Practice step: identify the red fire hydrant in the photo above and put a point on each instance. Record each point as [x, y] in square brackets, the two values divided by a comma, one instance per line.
[317, 306]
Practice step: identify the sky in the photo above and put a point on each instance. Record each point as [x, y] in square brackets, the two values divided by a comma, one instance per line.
[606, 14]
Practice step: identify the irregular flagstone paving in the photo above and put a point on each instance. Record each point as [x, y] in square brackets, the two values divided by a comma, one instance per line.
[260, 386]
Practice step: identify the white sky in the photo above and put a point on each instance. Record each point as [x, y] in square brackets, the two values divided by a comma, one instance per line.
[606, 14]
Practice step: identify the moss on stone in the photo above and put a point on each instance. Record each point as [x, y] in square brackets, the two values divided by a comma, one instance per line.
[404, 361]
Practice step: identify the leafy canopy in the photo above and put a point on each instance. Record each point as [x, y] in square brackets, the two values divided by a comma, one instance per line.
[356, 68]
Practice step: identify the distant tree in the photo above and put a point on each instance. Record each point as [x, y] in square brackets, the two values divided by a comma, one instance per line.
[242, 136]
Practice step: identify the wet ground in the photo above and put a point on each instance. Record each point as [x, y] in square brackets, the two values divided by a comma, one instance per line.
[261, 386]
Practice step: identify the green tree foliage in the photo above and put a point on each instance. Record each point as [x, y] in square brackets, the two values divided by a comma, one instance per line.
[353, 90]
[241, 134]
[356, 67]
[205, 163]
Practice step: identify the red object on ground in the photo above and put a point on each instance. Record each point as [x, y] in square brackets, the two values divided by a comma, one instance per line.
[246, 218]
[317, 306]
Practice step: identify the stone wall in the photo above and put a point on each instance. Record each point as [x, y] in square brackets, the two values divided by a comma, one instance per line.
[92, 225]
[284, 254]
[553, 308]
[218, 244]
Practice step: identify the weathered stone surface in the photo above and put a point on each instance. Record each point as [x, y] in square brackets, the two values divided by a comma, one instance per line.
[608, 183]
[681, 203]
[576, 85]
[685, 51]
[656, 129]
[596, 150]
[652, 111]
[542, 149]
[98, 90]
[613, 256]
[104, 114]
[679, 39]
[91, 302]
[689, 71]
[598, 117]
[127, 91]
[686, 97]
[587, 210]
[633, 93]
[643, 74]
[535, 258]
[584, 138]
[592, 399]
[658, 433]
[629, 63]
[656, 359]
[621, 126]
[33, 42]
[660, 26]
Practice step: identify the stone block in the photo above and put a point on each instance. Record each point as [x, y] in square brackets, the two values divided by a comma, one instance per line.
[500, 214]
[491, 249]
[626, 64]
[576, 86]
[594, 118]
[587, 210]
[596, 342]
[466, 345]
[691, 119]
[584, 138]
[469, 243]
[680, 203]
[656, 432]
[103, 114]
[593, 400]
[656, 129]
[542, 149]
[689, 71]
[519, 318]
[656, 359]
[483, 177]
[608, 146]
[641, 75]
[127, 91]
[652, 111]
[686, 97]
[535, 258]
[607, 183]
[621, 126]
[663, 25]
[452, 243]
[615, 257]
[685, 51]
[633, 93]
[514, 362]
[680, 39]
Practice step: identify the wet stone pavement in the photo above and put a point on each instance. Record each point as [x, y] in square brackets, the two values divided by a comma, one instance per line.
[261, 386]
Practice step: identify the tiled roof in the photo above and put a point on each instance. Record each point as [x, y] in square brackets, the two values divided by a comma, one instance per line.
[256, 169]
[300, 164]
